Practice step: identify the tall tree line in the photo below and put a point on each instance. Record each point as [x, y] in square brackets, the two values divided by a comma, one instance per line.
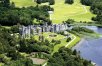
[11, 15]
[69, 1]
[51, 2]
[87, 2]
[96, 8]
[67, 57]
[5, 3]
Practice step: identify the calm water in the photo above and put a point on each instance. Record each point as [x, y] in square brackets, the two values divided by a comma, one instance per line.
[91, 49]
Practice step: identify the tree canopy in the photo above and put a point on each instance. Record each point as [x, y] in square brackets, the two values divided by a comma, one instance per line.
[67, 57]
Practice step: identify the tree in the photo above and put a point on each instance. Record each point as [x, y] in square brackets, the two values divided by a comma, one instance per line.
[65, 57]
[13, 54]
[68, 39]
[38, 1]
[51, 2]
[69, 1]
[74, 52]
[87, 2]
[24, 16]
[12, 5]
[21, 62]
[15, 29]
[70, 21]
[5, 3]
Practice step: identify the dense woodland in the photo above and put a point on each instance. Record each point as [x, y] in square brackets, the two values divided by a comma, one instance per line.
[10, 15]
[11, 47]
[69, 1]
[51, 2]
[67, 57]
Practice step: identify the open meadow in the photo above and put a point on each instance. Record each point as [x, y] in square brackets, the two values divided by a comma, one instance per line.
[76, 11]
[24, 3]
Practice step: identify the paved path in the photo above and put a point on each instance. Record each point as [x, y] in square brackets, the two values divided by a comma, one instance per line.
[84, 7]
[45, 64]
[70, 42]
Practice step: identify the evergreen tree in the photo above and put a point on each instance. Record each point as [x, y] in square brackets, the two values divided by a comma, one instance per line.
[51, 2]
[69, 1]
[5, 3]
[86, 2]
[38, 1]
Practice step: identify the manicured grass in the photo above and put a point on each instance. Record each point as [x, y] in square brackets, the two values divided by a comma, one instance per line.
[24, 3]
[64, 43]
[58, 37]
[1, 64]
[75, 11]
[58, 46]
[46, 36]
[74, 42]
[61, 38]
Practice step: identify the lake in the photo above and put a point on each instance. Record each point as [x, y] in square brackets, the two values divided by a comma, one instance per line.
[91, 49]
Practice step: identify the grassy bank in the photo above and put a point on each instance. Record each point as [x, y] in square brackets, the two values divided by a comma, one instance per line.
[72, 43]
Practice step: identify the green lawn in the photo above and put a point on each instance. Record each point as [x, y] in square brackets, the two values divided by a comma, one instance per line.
[1, 64]
[73, 43]
[59, 37]
[64, 43]
[58, 46]
[76, 11]
[46, 36]
[24, 3]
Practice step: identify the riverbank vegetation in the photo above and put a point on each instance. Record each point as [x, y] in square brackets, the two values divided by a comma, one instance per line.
[67, 57]
[85, 32]
[83, 29]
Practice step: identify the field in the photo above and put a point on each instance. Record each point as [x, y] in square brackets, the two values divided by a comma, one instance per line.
[62, 11]
[46, 36]
[76, 11]
[24, 3]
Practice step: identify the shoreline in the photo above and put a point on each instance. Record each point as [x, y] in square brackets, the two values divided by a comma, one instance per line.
[79, 43]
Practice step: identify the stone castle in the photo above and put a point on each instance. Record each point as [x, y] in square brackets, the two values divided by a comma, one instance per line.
[27, 31]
